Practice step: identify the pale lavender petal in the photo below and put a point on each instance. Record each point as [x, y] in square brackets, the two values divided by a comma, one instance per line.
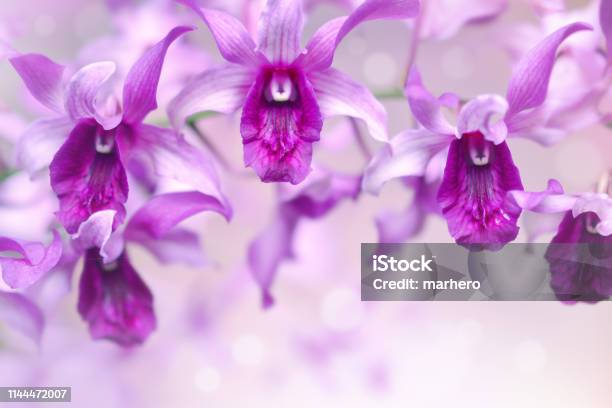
[280, 29]
[84, 90]
[407, 154]
[222, 89]
[484, 114]
[233, 40]
[42, 77]
[40, 141]
[426, 108]
[441, 19]
[33, 262]
[172, 157]
[529, 83]
[338, 94]
[319, 53]
[605, 20]
[163, 212]
[140, 87]
[400, 226]
[96, 232]
[551, 200]
[600, 204]
[21, 314]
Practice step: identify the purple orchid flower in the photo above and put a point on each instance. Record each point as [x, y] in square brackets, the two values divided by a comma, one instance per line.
[581, 78]
[113, 299]
[314, 199]
[284, 92]
[88, 171]
[479, 168]
[580, 254]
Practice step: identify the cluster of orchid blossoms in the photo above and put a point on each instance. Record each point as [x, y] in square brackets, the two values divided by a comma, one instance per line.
[106, 179]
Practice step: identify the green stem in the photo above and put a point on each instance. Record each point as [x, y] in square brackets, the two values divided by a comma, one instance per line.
[395, 93]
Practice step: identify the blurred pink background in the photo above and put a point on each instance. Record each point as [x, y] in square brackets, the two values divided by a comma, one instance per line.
[320, 345]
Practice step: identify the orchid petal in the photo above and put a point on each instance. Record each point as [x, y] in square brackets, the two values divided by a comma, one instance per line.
[176, 246]
[221, 89]
[21, 314]
[40, 141]
[551, 200]
[140, 88]
[477, 114]
[162, 212]
[600, 204]
[268, 251]
[529, 83]
[319, 53]
[42, 77]
[115, 301]
[84, 91]
[85, 180]
[338, 94]
[233, 40]
[280, 29]
[35, 260]
[96, 232]
[407, 154]
[172, 157]
[426, 108]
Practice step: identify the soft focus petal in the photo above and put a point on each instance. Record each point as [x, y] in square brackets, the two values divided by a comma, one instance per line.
[426, 108]
[42, 77]
[441, 19]
[163, 212]
[400, 226]
[605, 20]
[269, 250]
[21, 314]
[337, 94]
[85, 180]
[140, 88]
[280, 29]
[551, 200]
[40, 141]
[407, 154]
[278, 134]
[600, 204]
[115, 301]
[313, 199]
[33, 262]
[172, 157]
[319, 53]
[233, 40]
[473, 192]
[580, 261]
[529, 83]
[221, 89]
[176, 246]
[484, 114]
[84, 91]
